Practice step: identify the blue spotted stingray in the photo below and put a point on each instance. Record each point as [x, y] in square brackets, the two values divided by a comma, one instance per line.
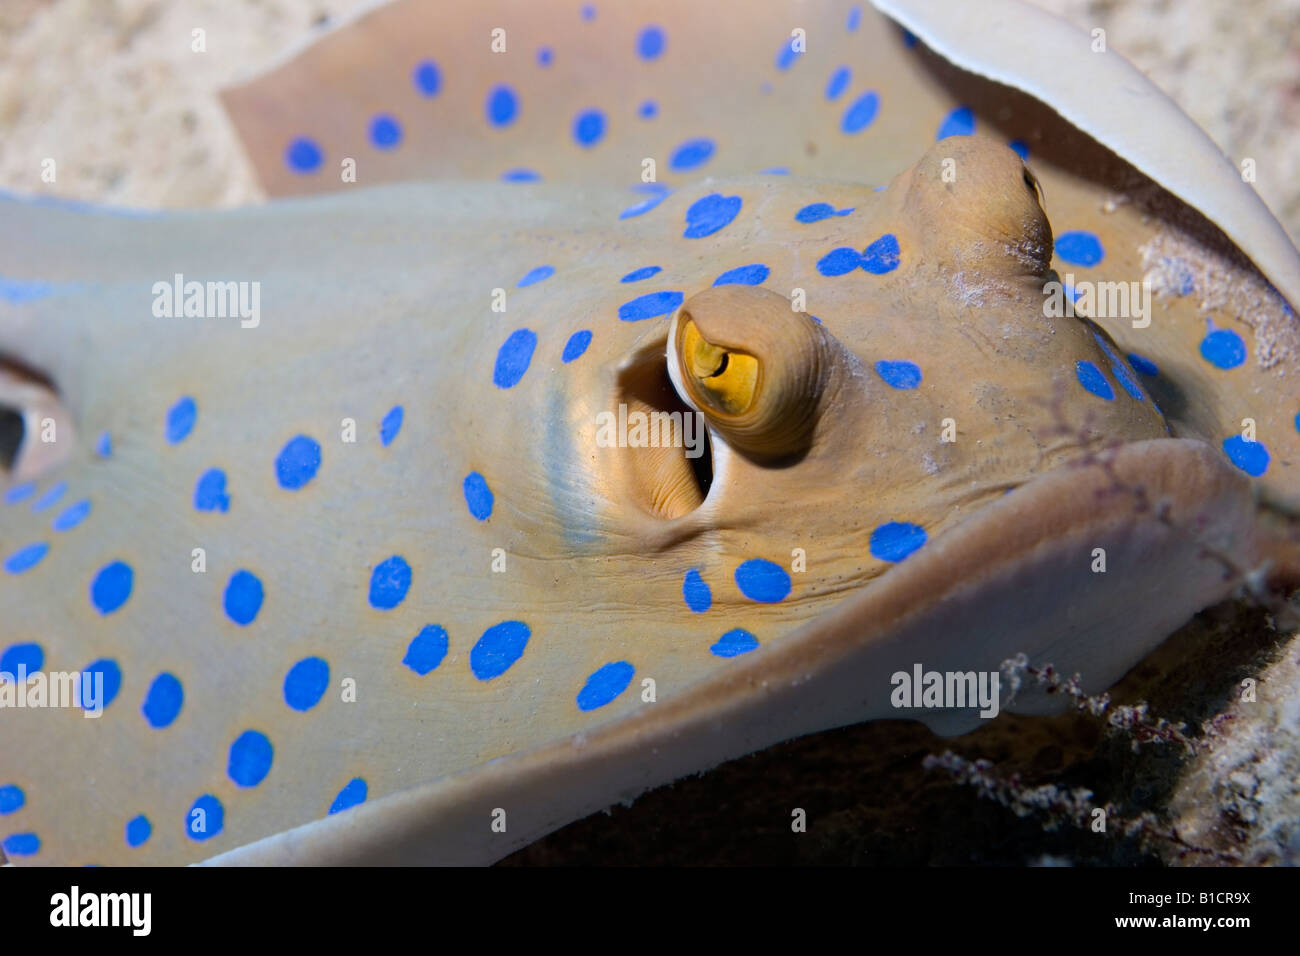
[592, 410]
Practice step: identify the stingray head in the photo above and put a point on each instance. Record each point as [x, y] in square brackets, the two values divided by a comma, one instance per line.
[941, 377]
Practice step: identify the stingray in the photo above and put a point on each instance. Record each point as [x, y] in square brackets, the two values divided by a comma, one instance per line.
[609, 391]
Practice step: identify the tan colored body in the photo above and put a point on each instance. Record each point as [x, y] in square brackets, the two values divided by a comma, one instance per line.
[378, 298]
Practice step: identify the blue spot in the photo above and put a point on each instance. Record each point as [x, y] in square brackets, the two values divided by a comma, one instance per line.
[26, 557]
[104, 447]
[900, 375]
[761, 580]
[22, 291]
[389, 583]
[838, 83]
[839, 261]
[297, 463]
[734, 643]
[111, 587]
[754, 274]
[243, 597]
[11, 798]
[1020, 148]
[636, 275]
[960, 122]
[696, 592]
[648, 110]
[649, 305]
[588, 128]
[19, 493]
[576, 345]
[706, 216]
[1090, 377]
[513, 358]
[305, 683]
[605, 684]
[786, 55]
[138, 831]
[391, 425]
[499, 647]
[164, 700]
[855, 17]
[861, 112]
[650, 44]
[210, 492]
[1120, 370]
[208, 821]
[776, 171]
[882, 255]
[909, 39]
[111, 675]
[426, 650]
[1143, 364]
[816, 212]
[51, 496]
[535, 276]
[22, 844]
[72, 516]
[645, 205]
[895, 540]
[1223, 348]
[27, 656]
[588, 12]
[520, 176]
[351, 795]
[501, 106]
[180, 420]
[426, 78]
[303, 155]
[1126, 380]
[478, 496]
[1079, 248]
[385, 131]
[1250, 456]
[692, 153]
[250, 758]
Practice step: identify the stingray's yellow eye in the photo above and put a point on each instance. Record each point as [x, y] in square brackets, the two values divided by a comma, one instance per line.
[754, 367]
[726, 377]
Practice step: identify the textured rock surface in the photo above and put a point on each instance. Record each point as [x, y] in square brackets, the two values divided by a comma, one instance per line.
[1242, 797]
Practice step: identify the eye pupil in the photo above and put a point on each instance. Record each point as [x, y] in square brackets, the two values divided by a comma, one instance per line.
[727, 380]
[11, 437]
